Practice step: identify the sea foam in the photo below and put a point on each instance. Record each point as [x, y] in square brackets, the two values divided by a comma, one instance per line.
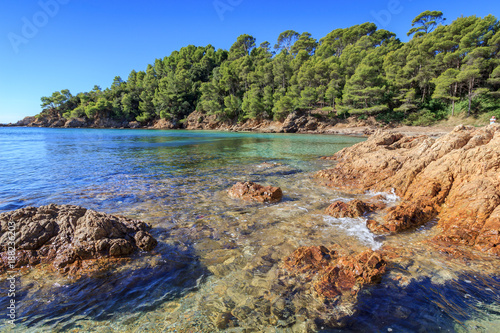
[355, 227]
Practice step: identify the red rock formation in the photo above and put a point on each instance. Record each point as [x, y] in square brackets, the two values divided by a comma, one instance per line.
[350, 273]
[255, 192]
[353, 208]
[454, 178]
[335, 274]
[312, 258]
[66, 235]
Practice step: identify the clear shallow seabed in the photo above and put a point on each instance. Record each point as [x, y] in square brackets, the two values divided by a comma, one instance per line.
[217, 254]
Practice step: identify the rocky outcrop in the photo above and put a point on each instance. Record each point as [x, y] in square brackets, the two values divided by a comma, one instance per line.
[453, 178]
[254, 192]
[335, 277]
[65, 236]
[353, 208]
[165, 124]
[335, 274]
[201, 121]
[76, 123]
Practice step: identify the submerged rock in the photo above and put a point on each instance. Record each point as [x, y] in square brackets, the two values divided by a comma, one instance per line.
[66, 235]
[350, 273]
[255, 192]
[454, 178]
[335, 278]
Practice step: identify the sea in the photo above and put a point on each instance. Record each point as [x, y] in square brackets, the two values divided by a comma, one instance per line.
[218, 263]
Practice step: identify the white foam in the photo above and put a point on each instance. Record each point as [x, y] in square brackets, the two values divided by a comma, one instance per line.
[388, 197]
[355, 227]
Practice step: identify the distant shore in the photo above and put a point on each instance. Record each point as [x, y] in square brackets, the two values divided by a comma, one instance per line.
[295, 123]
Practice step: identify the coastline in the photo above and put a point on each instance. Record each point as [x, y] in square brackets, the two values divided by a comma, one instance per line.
[305, 268]
[299, 123]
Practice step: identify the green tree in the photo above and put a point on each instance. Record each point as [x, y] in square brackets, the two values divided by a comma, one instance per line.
[446, 87]
[282, 107]
[425, 22]
[470, 73]
[306, 43]
[242, 47]
[286, 40]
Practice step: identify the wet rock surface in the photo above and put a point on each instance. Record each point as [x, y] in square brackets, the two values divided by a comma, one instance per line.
[334, 278]
[254, 192]
[453, 178]
[353, 208]
[65, 236]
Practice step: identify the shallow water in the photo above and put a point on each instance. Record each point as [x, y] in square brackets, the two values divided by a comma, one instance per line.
[218, 259]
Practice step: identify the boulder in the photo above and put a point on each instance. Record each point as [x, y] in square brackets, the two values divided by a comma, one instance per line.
[350, 273]
[334, 278]
[255, 192]
[453, 178]
[66, 235]
[353, 208]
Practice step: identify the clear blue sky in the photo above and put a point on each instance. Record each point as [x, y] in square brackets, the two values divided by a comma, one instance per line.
[49, 45]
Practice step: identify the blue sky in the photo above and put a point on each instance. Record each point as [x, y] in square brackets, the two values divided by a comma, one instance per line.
[49, 45]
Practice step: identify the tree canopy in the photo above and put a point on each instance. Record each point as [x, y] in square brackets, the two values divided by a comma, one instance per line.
[360, 70]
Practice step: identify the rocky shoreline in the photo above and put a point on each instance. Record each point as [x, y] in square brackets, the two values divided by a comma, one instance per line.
[453, 179]
[296, 122]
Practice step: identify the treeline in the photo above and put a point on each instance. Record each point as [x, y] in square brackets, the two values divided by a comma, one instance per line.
[359, 70]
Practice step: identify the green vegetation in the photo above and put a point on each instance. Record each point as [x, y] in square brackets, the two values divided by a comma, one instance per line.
[443, 70]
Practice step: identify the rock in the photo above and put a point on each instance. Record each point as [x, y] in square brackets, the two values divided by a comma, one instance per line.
[200, 121]
[334, 278]
[134, 124]
[165, 124]
[353, 208]
[26, 121]
[309, 258]
[255, 192]
[336, 274]
[76, 123]
[453, 178]
[66, 235]
[58, 123]
[108, 123]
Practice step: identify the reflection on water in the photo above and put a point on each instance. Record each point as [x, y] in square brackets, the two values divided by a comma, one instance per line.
[217, 265]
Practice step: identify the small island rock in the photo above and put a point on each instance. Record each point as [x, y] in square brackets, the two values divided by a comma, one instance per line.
[255, 192]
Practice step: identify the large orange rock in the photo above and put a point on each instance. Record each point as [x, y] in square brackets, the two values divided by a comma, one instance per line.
[65, 236]
[255, 192]
[335, 274]
[454, 178]
[350, 274]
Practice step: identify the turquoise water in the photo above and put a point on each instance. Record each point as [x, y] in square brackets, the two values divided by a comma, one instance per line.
[218, 256]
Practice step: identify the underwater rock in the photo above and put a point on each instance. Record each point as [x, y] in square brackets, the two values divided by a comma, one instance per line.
[336, 274]
[350, 274]
[255, 192]
[335, 278]
[309, 258]
[66, 235]
[453, 178]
